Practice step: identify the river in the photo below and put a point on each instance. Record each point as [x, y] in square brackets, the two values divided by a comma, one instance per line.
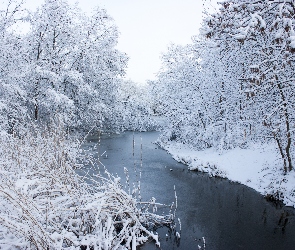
[228, 215]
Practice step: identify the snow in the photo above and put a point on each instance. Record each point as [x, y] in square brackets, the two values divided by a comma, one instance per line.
[292, 41]
[256, 166]
[292, 44]
[242, 33]
[45, 204]
[279, 34]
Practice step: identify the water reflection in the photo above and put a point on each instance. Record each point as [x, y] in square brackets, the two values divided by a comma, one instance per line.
[228, 215]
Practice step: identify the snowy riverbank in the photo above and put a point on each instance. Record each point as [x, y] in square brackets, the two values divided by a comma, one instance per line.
[258, 167]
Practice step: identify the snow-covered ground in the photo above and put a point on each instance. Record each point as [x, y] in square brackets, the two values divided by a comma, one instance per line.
[258, 166]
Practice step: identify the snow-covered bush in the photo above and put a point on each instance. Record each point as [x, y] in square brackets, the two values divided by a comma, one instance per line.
[45, 204]
[133, 109]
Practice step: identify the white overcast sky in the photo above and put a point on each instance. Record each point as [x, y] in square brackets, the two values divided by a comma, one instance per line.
[147, 27]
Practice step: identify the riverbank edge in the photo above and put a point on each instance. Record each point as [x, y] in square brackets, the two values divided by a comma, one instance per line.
[259, 167]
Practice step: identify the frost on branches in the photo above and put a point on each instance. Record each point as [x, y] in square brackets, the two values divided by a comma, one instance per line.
[264, 31]
[66, 64]
[46, 205]
[234, 84]
[134, 108]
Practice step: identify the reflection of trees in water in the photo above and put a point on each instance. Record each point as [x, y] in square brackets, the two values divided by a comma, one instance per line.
[283, 216]
[284, 219]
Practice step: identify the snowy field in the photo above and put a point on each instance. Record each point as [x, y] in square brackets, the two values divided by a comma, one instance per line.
[257, 167]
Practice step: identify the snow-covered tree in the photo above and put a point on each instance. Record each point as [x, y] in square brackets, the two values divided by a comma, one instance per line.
[178, 93]
[74, 65]
[264, 30]
[12, 95]
[234, 84]
[133, 107]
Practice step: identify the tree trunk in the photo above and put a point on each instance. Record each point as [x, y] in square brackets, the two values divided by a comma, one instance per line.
[288, 133]
[281, 152]
[36, 113]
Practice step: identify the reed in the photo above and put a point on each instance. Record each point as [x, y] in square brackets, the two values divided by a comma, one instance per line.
[45, 204]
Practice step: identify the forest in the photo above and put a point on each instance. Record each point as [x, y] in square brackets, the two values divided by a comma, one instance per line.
[231, 88]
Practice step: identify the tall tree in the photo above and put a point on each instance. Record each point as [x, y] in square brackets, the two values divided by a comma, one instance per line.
[75, 68]
[12, 94]
[264, 30]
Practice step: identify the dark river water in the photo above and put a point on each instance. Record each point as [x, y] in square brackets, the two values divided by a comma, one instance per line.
[228, 215]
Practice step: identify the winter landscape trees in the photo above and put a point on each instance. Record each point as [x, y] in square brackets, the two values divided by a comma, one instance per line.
[233, 87]
[265, 30]
[66, 64]
[240, 71]
[63, 73]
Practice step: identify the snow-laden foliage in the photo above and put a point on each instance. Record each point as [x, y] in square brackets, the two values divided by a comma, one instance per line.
[188, 94]
[12, 94]
[46, 205]
[65, 64]
[263, 31]
[74, 56]
[134, 107]
[234, 83]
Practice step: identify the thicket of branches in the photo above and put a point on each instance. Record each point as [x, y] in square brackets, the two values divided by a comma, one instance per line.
[234, 84]
[46, 205]
[65, 67]
[65, 63]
